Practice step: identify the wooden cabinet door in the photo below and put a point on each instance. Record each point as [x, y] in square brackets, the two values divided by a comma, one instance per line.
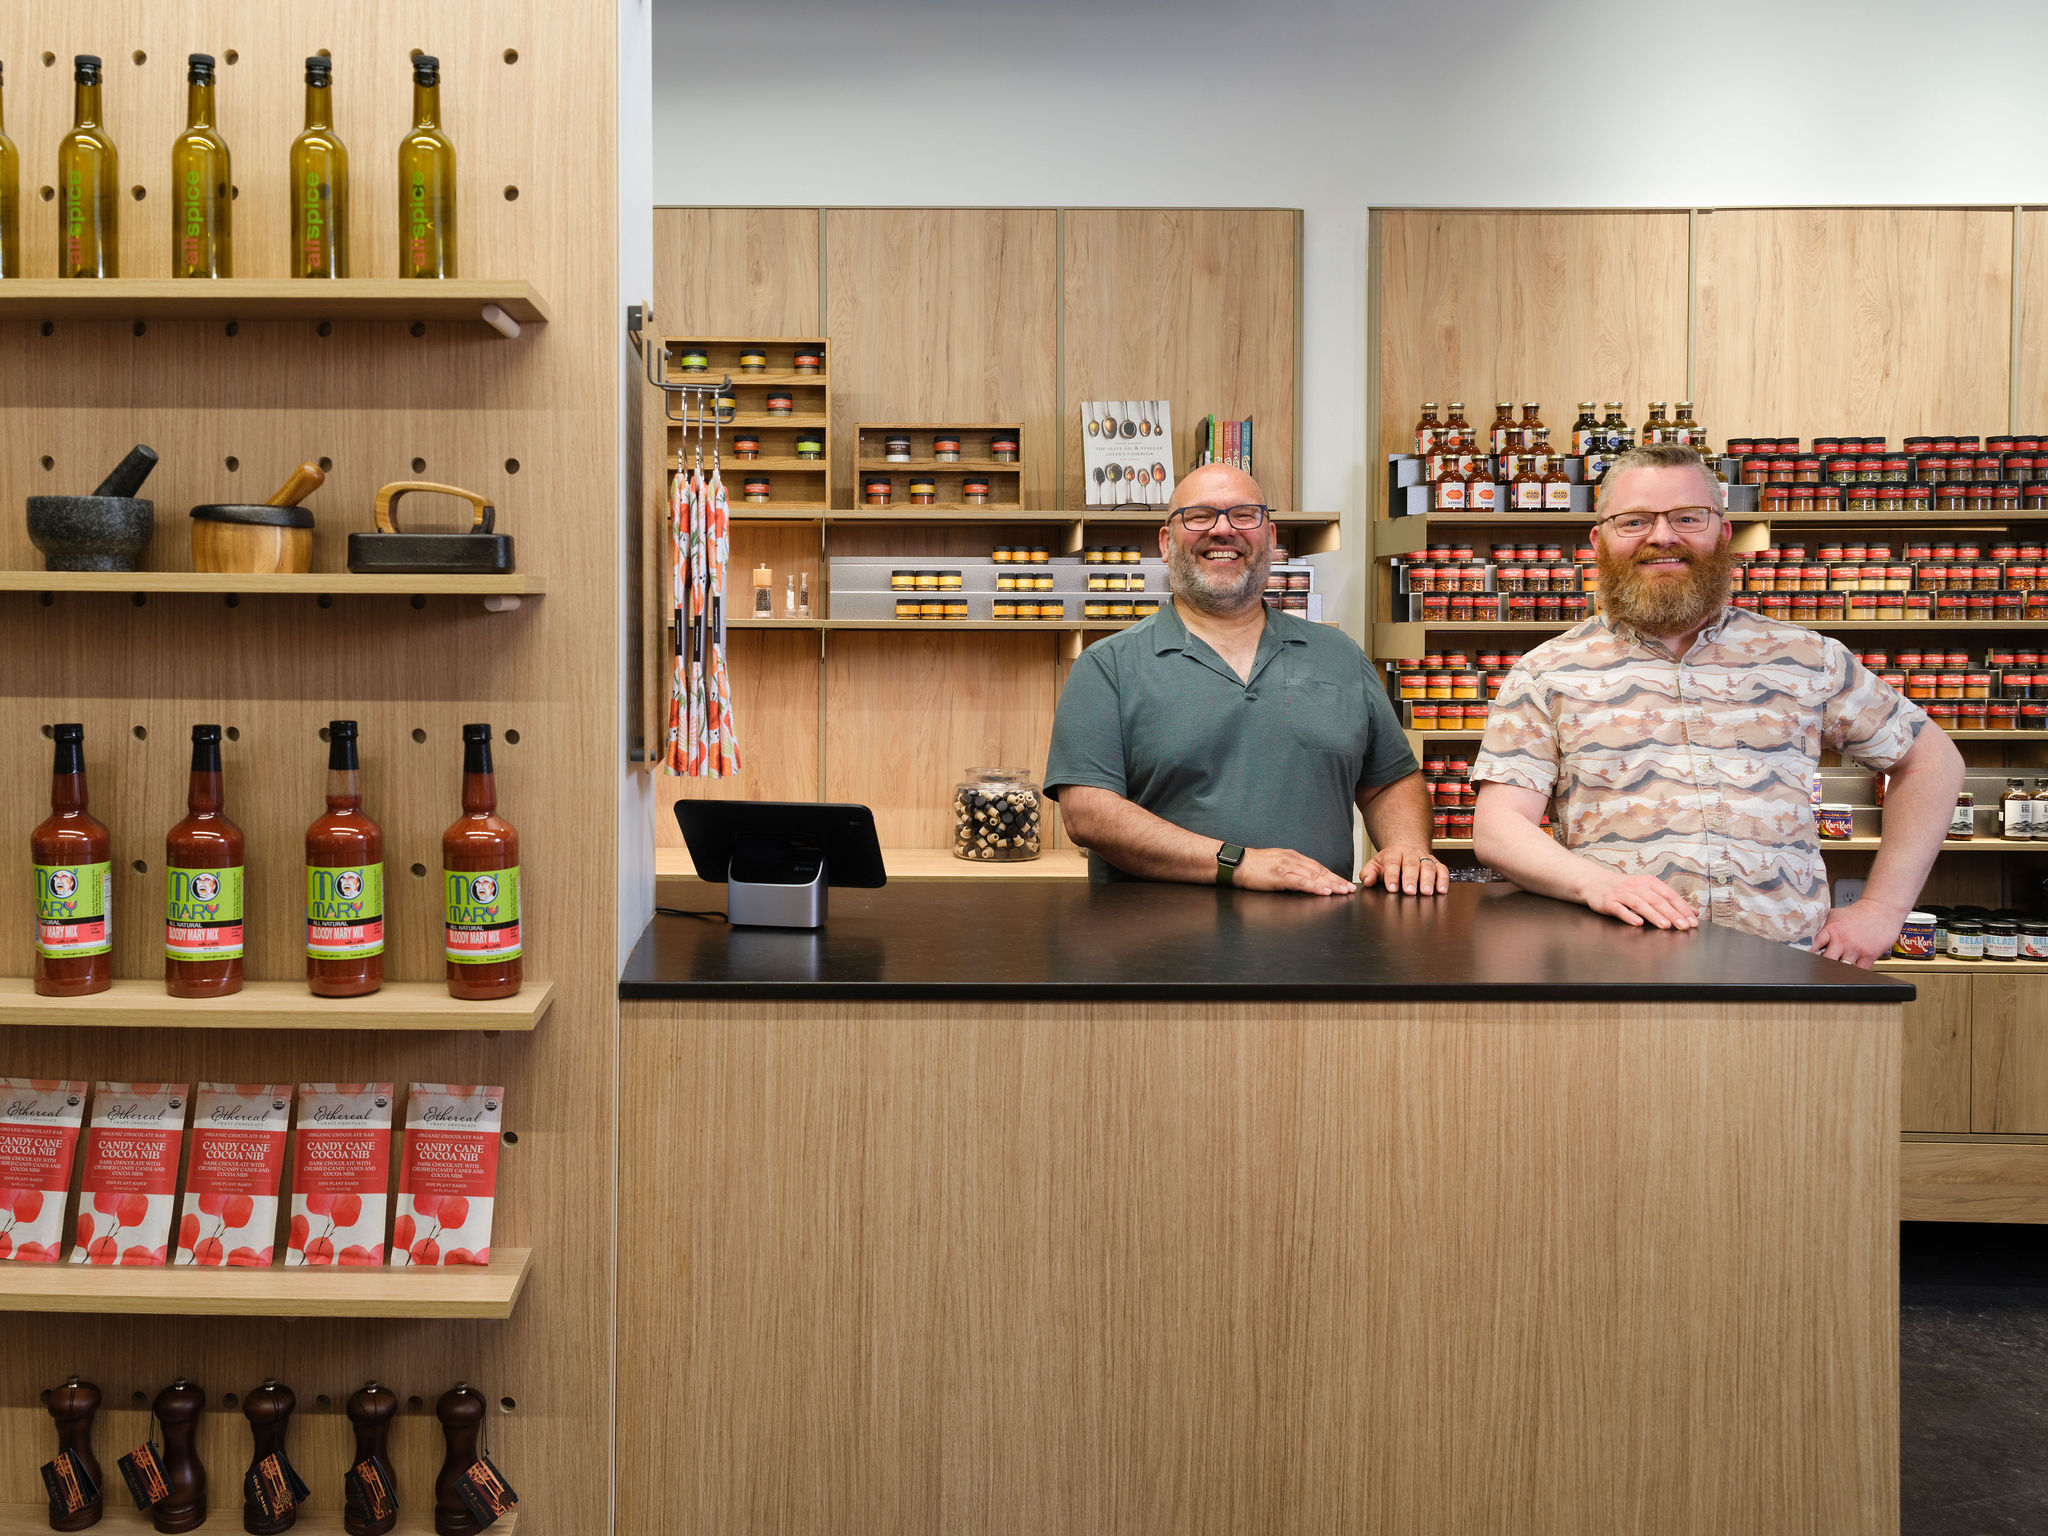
[2009, 1054]
[1935, 1070]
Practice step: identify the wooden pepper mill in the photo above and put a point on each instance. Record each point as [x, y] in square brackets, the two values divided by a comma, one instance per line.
[461, 1412]
[371, 1412]
[73, 1406]
[269, 1411]
[177, 1409]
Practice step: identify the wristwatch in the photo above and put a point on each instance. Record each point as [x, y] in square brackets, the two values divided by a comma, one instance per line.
[1228, 857]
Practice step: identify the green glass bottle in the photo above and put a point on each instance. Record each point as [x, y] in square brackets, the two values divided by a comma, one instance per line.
[319, 183]
[88, 226]
[426, 182]
[202, 185]
[10, 202]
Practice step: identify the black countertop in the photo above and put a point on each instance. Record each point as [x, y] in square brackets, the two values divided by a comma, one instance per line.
[996, 940]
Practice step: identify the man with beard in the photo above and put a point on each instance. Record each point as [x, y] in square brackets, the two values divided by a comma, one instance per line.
[1220, 741]
[1675, 737]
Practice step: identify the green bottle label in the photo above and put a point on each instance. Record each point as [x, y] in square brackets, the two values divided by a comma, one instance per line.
[74, 910]
[344, 911]
[203, 914]
[483, 915]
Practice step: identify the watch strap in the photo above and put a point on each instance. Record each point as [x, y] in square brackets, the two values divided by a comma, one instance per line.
[1228, 857]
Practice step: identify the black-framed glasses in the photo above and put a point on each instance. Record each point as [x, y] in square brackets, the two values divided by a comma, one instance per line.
[1681, 520]
[1244, 517]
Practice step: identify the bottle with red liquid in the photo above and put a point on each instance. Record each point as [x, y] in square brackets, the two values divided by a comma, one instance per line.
[344, 881]
[73, 856]
[203, 884]
[480, 883]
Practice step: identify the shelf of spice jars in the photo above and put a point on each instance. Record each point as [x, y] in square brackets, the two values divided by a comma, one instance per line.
[122, 1516]
[282, 1005]
[1399, 638]
[1948, 965]
[273, 584]
[1419, 740]
[925, 864]
[257, 298]
[768, 419]
[303, 1290]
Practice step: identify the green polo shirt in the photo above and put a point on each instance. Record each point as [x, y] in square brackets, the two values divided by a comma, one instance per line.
[1153, 714]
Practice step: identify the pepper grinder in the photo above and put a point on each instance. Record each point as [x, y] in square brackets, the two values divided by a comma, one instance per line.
[177, 1409]
[268, 1410]
[461, 1412]
[73, 1406]
[371, 1411]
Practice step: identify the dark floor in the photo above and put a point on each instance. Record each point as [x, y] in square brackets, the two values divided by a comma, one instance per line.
[1973, 1379]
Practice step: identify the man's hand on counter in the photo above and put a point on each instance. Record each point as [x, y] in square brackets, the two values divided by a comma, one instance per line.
[1282, 869]
[1409, 871]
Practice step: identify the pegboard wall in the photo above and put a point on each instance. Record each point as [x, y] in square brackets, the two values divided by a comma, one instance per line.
[528, 96]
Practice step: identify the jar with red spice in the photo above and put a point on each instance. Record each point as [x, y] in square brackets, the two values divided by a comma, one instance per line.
[1919, 498]
[1948, 608]
[1471, 578]
[1756, 469]
[1970, 715]
[2001, 716]
[1919, 549]
[2034, 496]
[1920, 686]
[1776, 501]
[1461, 608]
[1897, 469]
[2037, 604]
[1521, 609]
[1495, 681]
[1424, 717]
[1549, 608]
[1978, 606]
[1806, 471]
[1943, 715]
[1439, 820]
[2008, 607]
[1572, 607]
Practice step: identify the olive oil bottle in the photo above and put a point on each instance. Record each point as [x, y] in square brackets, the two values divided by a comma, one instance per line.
[88, 221]
[10, 198]
[202, 185]
[426, 181]
[319, 183]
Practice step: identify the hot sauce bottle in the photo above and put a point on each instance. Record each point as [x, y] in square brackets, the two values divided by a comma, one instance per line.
[203, 884]
[1426, 428]
[1584, 430]
[480, 883]
[344, 881]
[74, 882]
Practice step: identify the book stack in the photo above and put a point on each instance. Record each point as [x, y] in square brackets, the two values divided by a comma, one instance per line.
[1224, 442]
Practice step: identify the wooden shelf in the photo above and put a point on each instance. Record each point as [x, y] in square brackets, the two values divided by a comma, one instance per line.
[281, 1005]
[260, 298]
[763, 419]
[1026, 626]
[123, 1517]
[245, 584]
[772, 379]
[1417, 738]
[1408, 535]
[957, 467]
[1945, 965]
[769, 511]
[467, 1291]
[960, 517]
[738, 466]
[672, 863]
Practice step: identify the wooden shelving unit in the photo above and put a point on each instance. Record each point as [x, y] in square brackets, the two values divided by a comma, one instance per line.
[129, 299]
[797, 485]
[452, 1291]
[274, 1005]
[122, 1516]
[246, 584]
[1006, 480]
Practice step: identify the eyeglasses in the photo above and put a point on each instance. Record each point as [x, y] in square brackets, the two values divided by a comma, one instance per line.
[1201, 519]
[1681, 520]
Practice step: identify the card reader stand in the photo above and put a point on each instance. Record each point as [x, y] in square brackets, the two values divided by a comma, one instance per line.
[776, 883]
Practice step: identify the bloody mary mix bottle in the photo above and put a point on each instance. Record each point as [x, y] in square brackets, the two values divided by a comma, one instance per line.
[203, 884]
[74, 883]
[480, 882]
[344, 881]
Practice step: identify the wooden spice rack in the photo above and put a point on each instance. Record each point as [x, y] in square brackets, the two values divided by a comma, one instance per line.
[1006, 479]
[796, 485]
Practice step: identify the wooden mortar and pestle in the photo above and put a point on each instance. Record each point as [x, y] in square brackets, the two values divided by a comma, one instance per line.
[276, 537]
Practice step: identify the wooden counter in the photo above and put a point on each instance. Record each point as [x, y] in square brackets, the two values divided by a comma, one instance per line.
[1500, 1218]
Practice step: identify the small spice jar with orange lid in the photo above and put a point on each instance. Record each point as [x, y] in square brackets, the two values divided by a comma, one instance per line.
[782, 405]
[974, 492]
[1003, 449]
[877, 490]
[807, 360]
[755, 487]
[746, 446]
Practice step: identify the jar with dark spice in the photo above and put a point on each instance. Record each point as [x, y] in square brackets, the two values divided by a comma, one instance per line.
[782, 405]
[997, 816]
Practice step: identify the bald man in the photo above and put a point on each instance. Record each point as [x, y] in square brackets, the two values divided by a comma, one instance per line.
[1221, 741]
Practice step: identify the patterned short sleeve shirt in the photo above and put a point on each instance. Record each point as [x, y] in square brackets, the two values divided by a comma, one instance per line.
[1696, 769]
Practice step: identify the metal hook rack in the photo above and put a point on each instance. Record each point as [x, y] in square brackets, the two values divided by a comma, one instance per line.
[698, 398]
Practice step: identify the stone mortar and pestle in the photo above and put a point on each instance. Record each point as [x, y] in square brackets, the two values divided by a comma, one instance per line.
[106, 531]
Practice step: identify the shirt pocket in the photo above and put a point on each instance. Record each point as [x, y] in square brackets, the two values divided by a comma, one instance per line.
[1317, 715]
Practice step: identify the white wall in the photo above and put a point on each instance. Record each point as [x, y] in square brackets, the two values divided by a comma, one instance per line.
[1335, 109]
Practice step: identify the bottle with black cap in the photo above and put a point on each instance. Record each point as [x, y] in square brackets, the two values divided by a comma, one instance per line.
[480, 883]
[203, 884]
[202, 184]
[319, 183]
[73, 856]
[88, 173]
[10, 197]
[426, 181]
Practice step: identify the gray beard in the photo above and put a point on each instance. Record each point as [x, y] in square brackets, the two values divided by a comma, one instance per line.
[1192, 581]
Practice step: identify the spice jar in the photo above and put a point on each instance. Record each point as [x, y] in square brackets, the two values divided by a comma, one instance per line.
[877, 490]
[808, 447]
[1003, 450]
[2033, 939]
[1971, 715]
[753, 362]
[1003, 608]
[956, 608]
[1916, 937]
[2001, 715]
[755, 487]
[996, 816]
[1039, 554]
[946, 450]
[694, 361]
[807, 361]
[906, 608]
[974, 492]
[896, 449]
[746, 446]
[782, 405]
[923, 493]
[2001, 939]
[1965, 939]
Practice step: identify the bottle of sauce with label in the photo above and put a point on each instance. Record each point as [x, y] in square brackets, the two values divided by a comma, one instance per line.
[319, 164]
[202, 185]
[480, 883]
[2016, 812]
[10, 204]
[1584, 430]
[73, 857]
[1684, 429]
[1615, 431]
[344, 881]
[1447, 486]
[2037, 820]
[1482, 493]
[1525, 491]
[88, 171]
[203, 877]
[1456, 424]
[1426, 430]
[1500, 436]
[1655, 428]
[426, 181]
[1557, 488]
[1530, 424]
